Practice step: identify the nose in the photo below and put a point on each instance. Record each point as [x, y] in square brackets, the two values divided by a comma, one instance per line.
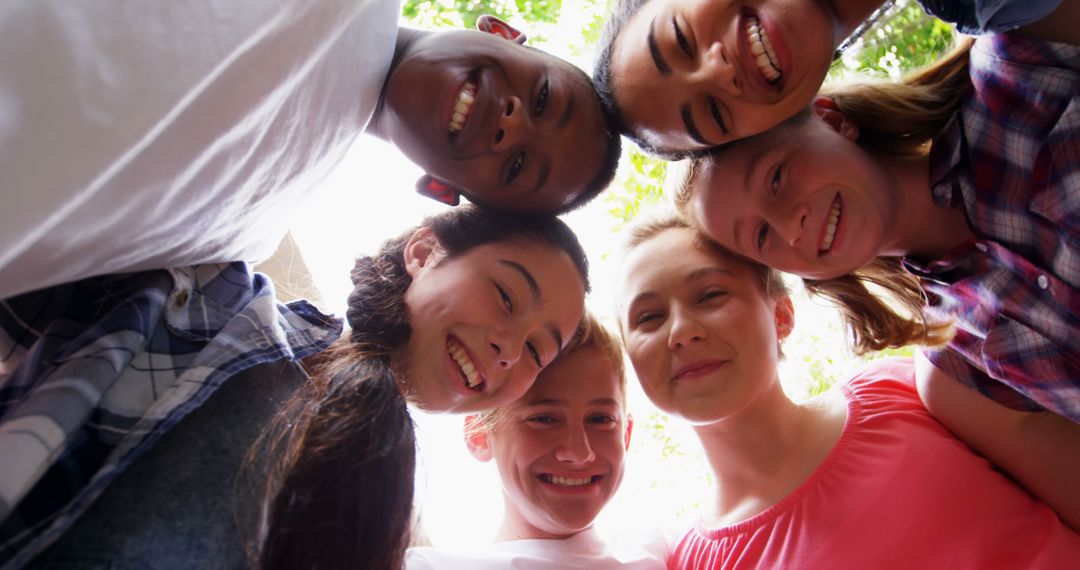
[790, 224]
[575, 447]
[507, 346]
[716, 71]
[685, 329]
[511, 125]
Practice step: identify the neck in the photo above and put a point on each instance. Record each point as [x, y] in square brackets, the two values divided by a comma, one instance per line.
[848, 14]
[406, 38]
[922, 228]
[766, 452]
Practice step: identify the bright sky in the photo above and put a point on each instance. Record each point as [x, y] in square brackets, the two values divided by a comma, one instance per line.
[369, 198]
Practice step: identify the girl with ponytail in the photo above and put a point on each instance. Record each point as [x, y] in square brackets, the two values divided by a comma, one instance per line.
[459, 314]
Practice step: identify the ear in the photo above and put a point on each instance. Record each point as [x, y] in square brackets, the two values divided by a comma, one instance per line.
[827, 111]
[492, 25]
[629, 429]
[437, 190]
[476, 439]
[785, 317]
[422, 250]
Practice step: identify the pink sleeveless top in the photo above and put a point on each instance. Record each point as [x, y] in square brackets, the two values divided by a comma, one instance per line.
[897, 491]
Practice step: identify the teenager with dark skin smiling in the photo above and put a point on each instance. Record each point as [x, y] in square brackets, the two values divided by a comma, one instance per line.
[687, 75]
[207, 163]
[529, 133]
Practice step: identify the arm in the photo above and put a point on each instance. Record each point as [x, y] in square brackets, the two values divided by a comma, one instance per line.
[1058, 26]
[1041, 450]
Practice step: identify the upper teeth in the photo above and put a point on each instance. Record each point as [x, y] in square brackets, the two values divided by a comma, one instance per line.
[462, 106]
[570, 481]
[472, 377]
[830, 229]
[762, 49]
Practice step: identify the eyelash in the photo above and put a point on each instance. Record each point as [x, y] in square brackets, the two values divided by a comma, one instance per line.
[711, 294]
[717, 116]
[773, 189]
[684, 44]
[604, 418]
[509, 304]
[541, 100]
[516, 167]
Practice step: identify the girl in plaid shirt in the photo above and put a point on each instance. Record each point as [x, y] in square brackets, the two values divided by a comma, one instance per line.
[949, 197]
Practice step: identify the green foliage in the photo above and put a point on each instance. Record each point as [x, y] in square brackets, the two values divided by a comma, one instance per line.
[904, 39]
[640, 182]
[433, 14]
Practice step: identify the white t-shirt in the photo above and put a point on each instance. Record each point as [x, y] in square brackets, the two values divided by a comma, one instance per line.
[137, 135]
[583, 550]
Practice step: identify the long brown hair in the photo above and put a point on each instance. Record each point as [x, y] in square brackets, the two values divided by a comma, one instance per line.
[339, 490]
[882, 305]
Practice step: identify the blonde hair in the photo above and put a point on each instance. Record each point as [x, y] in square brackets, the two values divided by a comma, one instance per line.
[882, 305]
[590, 334]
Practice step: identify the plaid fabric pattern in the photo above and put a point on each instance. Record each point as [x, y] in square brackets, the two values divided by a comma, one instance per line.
[93, 373]
[976, 17]
[1011, 159]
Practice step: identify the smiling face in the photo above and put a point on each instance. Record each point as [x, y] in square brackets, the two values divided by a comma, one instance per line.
[514, 128]
[802, 198]
[485, 323]
[560, 449]
[700, 331]
[693, 74]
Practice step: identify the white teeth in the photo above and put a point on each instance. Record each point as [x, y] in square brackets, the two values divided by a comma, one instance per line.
[761, 47]
[462, 106]
[472, 378]
[568, 481]
[830, 229]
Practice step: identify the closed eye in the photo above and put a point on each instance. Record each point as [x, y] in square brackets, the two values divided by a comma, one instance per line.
[712, 294]
[684, 45]
[718, 117]
[534, 353]
[644, 318]
[542, 419]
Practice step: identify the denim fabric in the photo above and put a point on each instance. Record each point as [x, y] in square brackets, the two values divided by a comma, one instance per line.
[183, 504]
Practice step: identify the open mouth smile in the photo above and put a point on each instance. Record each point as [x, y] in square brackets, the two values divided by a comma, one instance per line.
[829, 232]
[761, 47]
[570, 482]
[473, 380]
[462, 107]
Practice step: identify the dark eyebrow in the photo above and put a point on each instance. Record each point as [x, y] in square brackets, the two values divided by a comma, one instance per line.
[691, 128]
[534, 287]
[654, 50]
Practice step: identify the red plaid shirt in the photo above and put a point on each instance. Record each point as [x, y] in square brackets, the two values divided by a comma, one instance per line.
[1011, 159]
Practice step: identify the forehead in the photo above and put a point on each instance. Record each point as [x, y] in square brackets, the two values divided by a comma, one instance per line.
[576, 378]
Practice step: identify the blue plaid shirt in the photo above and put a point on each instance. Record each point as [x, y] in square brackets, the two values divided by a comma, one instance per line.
[1011, 160]
[93, 373]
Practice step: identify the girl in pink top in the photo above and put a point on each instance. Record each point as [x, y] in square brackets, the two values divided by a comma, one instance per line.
[859, 477]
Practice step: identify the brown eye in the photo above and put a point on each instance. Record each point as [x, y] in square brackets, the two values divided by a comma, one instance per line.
[684, 45]
[541, 100]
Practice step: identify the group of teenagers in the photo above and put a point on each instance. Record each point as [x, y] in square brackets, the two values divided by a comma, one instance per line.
[160, 407]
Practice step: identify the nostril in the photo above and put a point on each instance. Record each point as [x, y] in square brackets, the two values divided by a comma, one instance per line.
[509, 108]
[495, 346]
[498, 139]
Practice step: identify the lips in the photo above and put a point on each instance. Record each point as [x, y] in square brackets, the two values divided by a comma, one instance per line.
[832, 222]
[696, 369]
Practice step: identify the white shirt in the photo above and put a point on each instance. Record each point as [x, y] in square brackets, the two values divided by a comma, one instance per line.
[137, 135]
[583, 550]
